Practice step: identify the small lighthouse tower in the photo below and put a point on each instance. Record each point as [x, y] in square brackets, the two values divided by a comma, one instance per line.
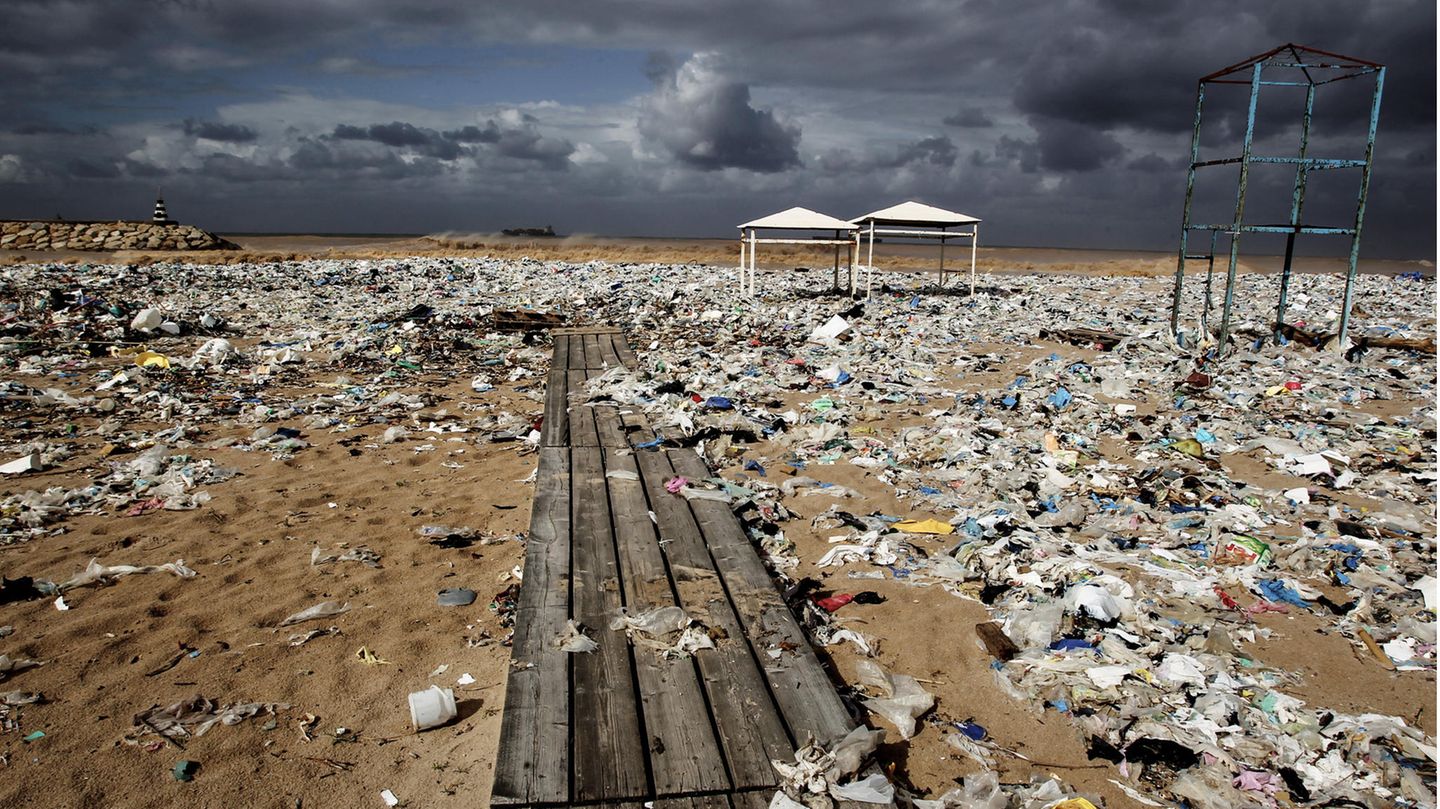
[160, 217]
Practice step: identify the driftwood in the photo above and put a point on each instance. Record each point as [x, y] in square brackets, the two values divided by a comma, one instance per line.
[513, 320]
[1089, 338]
[997, 643]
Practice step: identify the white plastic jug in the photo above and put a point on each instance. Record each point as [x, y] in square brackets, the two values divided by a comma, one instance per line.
[432, 707]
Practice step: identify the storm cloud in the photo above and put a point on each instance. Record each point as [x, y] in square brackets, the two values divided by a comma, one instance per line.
[1064, 122]
[705, 120]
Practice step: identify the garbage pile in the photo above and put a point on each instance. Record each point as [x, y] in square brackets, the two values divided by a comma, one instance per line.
[1128, 509]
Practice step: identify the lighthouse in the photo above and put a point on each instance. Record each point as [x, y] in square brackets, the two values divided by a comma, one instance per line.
[160, 217]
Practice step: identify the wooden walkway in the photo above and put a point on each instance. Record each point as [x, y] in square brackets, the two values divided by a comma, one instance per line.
[622, 725]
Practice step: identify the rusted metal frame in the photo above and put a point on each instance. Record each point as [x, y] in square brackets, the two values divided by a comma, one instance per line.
[1360, 208]
[1185, 217]
[1297, 202]
[1240, 207]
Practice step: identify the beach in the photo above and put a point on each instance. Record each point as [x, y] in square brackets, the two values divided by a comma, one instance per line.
[360, 399]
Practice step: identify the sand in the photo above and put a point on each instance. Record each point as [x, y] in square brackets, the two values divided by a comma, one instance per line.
[251, 548]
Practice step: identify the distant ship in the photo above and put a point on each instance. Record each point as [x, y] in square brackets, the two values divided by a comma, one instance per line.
[548, 230]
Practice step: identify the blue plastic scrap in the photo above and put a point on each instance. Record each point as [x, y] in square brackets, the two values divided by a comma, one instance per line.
[1278, 591]
[1060, 398]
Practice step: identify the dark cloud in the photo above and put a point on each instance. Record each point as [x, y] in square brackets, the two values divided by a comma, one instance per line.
[224, 133]
[706, 121]
[474, 134]
[969, 118]
[1095, 97]
[89, 169]
[1070, 146]
[402, 135]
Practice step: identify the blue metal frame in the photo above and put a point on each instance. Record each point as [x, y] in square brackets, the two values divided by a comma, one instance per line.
[1303, 59]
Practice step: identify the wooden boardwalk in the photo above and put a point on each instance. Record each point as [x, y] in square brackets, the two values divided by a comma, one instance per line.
[622, 726]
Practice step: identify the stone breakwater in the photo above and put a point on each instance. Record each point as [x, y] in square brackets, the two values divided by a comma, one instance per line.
[107, 236]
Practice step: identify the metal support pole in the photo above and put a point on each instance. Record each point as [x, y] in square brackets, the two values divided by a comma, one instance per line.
[870, 258]
[742, 261]
[752, 262]
[942, 260]
[1360, 210]
[1240, 205]
[835, 280]
[1297, 202]
[974, 241]
[1209, 277]
[1185, 218]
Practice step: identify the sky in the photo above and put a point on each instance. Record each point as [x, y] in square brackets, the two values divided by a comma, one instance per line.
[1057, 122]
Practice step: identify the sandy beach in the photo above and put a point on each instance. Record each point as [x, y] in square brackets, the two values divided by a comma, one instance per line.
[360, 398]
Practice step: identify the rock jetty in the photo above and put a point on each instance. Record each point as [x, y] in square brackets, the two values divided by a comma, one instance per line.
[107, 236]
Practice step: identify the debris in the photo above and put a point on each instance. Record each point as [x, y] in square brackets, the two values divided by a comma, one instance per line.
[456, 597]
[185, 770]
[574, 640]
[432, 707]
[324, 609]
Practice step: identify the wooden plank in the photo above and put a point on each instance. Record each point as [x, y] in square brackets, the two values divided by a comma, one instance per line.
[581, 417]
[609, 757]
[560, 355]
[592, 352]
[555, 430]
[608, 353]
[695, 802]
[684, 755]
[801, 687]
[534, 751]
[576, 358]
[627, 357]
[750, 728]
[608, 429]
[751, 800]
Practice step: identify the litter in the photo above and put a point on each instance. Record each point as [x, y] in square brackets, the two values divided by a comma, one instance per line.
[574, 640]
[324, 609]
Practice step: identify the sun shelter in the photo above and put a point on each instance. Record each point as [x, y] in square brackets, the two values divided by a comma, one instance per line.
[798, 219]
[916, 220]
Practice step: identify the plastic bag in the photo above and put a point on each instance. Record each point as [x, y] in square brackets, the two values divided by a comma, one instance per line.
[903, 699]
[574, 640]
[324, 609]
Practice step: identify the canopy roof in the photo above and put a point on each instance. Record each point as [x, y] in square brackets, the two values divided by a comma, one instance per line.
[917, 214]
[799, 219]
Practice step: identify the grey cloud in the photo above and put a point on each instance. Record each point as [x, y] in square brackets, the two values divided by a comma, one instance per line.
[706, 121]
[1070, 146]
[474, 134]
[222, 132]
[969, 118]
[402, 135]
[86, 169]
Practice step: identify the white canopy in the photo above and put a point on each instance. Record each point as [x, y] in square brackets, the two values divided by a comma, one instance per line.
[917, 214]
[798, 218]
[899, 220]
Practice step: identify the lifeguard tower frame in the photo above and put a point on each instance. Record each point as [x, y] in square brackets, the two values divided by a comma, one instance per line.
[1293, 62]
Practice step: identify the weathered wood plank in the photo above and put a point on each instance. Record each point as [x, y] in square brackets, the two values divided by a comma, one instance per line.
[534, 751]
[684, 754]
[608, 429]
[560, 355]
[609, 757]
[581, 416]
[555, 431]
[801, 687]
[592, 352]
[627, 356]
[750, 729]
[576, 358]
[608, 352]
[695, 802]
[751, 800]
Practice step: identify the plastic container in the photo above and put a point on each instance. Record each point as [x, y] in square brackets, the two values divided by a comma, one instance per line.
[432, 707]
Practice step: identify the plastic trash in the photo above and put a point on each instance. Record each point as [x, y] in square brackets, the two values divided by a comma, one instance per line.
[431, 708]
[901, 700]
[324, 609]
[456, 597]
[574, 640]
